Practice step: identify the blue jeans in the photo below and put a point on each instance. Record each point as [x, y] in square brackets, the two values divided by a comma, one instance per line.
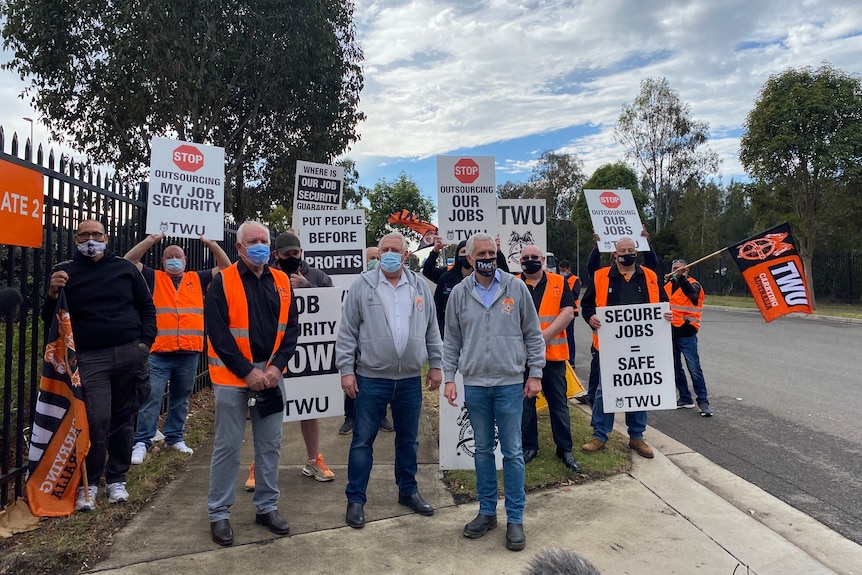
[603, 423]
[554, 390]
[687, 347]
[180, 369]
[504, 405]
[405, 396]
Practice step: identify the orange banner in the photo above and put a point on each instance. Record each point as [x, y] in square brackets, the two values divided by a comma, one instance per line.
[407, 218]
[21, 207]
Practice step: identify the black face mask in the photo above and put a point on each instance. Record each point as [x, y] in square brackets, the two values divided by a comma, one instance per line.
[462, 260]
[627, 259]
[531, 266]
[289, 265]
[486, 267]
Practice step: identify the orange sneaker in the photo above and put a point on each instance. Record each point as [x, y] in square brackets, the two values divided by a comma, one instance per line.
[317, 468]
[249, 483]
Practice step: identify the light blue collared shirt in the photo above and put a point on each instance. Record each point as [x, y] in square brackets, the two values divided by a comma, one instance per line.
[487, 294]
[399, 306]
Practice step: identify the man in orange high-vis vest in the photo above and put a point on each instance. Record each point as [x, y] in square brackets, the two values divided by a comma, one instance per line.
[623, 283]
[178, 295]
[686, 303]
[556, 307]
[252, 327]
[574, 283]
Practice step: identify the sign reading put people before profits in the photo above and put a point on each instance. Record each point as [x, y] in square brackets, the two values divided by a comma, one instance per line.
[186, 191]
[318, 187]
[636, 358]
[466, 197]
[615, 215]
[21, 206]
[333, 242]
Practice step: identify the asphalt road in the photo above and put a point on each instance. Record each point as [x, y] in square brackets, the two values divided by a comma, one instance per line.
[786, 397]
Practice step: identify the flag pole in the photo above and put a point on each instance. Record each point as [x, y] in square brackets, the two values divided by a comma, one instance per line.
[695, 262]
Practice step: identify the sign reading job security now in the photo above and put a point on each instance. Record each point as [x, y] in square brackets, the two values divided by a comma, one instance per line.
[636, 358]
[186, 191]
[312, 389]
[466, 197]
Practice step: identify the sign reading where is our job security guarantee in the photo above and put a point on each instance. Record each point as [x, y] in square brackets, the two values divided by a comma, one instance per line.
[312, 389]
[186, 192]
[318, 187]
[636, 358]
[457, 449]
[466, 197]
[521, 223]
[615, 215]
[334, 242]
[21, 194]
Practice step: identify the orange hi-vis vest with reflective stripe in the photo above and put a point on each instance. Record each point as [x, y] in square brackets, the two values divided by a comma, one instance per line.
[237, 307]
[179, 313]
[602, 283]
[558, 348]
[571, 281]
[681, 306]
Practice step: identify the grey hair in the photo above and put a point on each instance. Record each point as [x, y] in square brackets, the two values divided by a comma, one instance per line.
[240, 231]
[559, 562]
[397, 235]
[471, 241]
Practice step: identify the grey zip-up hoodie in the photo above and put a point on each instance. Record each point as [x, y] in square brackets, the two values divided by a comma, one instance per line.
[492, 346]
[365, 345]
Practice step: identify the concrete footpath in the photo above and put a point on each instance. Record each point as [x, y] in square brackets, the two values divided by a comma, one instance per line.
[676, 514]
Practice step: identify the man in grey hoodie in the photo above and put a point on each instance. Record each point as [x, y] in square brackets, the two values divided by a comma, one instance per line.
[492, 335]
[388, 330]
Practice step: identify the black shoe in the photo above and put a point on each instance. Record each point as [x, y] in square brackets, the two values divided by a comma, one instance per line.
[581, 399]
[386, 425]
[222, 532]
[346, 427]
[569, 461]
[416, 503]
[479, 526]
[515, 540]
[355, 516]
[273, 521]
[704, 409]
[529, 455]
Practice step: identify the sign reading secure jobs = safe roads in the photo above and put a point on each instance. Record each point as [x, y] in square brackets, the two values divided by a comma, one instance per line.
[466, 196]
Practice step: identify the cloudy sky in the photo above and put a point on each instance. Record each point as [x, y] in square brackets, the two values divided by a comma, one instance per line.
[511, 79]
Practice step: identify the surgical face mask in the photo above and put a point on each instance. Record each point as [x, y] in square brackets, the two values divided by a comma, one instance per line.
[464, 263]
[626, 259]
[390, 261]
[257, 254]
[174, 265]
[92, 248]
[486, 266]
[372, 264]
[289, 265]
[531, 266]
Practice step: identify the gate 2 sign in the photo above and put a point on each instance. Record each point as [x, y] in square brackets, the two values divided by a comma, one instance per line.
[21, 197]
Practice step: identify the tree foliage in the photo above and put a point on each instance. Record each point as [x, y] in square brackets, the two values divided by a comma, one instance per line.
[556, 178]
[270, 81]
[803, 145]
[386, 198]
[668, 146]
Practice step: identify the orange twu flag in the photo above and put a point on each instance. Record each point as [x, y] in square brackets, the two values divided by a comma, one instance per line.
[773, 272]
[425, 229]
[61, 435]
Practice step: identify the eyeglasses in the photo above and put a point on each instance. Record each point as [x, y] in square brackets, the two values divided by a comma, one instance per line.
[675, 262]
[84, 236]
[532, 257]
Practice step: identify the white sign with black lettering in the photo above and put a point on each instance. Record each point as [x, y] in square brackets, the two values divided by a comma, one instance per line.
[456, 433]
[312, 389]
[466, 197]
[521, 223]
[318, 187]
[333, 241]
[636, 358]
[615, 215]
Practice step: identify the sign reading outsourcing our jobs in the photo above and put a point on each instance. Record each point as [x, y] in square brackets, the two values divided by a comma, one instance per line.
[466, 197]
[186, 191]
[312, 389]
[318, 187]
[615, 215]
[456, 434]
[21, 194]
[334, 242]
[521, 223]
[636, 358]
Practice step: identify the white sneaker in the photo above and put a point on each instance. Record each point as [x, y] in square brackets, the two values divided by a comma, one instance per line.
[81, 503]
[117, 492]
[139, 452]
[159, 436]
[182, 447]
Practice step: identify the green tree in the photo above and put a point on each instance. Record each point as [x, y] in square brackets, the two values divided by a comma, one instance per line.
[270, 81]
[386, 198]
[803, 145]
[668, 146]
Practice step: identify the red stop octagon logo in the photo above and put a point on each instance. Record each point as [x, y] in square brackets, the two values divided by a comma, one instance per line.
[466, 171]
[188, 158]
[610, 200]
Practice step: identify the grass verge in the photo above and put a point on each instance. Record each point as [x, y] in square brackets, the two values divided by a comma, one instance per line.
[826, 309]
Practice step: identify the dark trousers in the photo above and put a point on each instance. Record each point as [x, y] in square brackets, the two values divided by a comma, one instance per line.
[570, 338]
[554, 390]
[595, 375]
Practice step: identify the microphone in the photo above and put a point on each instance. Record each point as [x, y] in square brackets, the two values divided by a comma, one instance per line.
[10, 299]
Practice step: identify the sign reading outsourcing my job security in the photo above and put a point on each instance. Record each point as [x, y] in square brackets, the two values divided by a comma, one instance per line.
[457, 449]
[466, 197]
[615, 215]
[521, 223]
[334, 242]
[318, 186]
[636, 358]
[186, 192]
[21, 194]
[312, 389]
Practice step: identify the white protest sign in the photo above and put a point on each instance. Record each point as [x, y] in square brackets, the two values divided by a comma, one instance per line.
[615, 215]
[456, 433]
[521, 223]
[466, 197]
[312, 390]
[334, 242]
[636, 358]
[317, 187]
[186, 190]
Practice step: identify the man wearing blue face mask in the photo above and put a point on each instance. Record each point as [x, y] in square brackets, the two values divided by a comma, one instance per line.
[179, 299]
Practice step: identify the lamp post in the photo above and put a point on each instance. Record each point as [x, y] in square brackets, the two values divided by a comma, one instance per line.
[32, 145]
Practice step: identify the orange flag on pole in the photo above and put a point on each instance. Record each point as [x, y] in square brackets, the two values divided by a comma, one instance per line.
[425, 229]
